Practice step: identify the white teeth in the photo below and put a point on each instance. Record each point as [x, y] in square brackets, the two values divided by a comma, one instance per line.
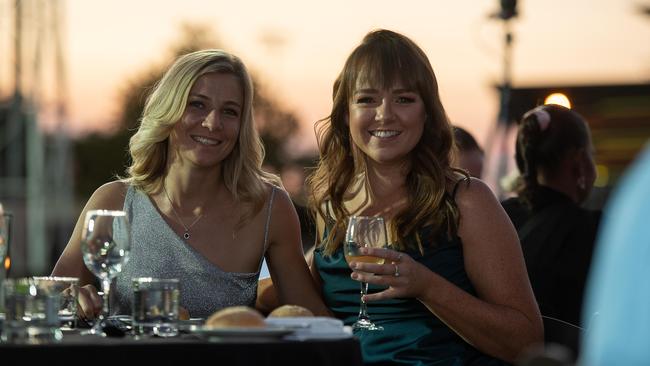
[384, 133]
[205, 140]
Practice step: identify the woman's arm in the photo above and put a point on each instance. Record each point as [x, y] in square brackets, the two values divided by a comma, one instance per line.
[292, 281]
[504, 318]
[110, 196]
[267, 298]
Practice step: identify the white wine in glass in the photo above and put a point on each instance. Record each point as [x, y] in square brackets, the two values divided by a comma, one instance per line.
[364, 231]
[105, 244]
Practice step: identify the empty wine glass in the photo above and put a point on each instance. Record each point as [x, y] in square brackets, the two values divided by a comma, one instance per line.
[105, 244]
[364, 231]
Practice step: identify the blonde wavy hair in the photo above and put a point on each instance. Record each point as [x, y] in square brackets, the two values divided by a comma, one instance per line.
[382, 58]
[242, 169]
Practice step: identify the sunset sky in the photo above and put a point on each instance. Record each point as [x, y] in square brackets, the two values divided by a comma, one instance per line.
[556, 42]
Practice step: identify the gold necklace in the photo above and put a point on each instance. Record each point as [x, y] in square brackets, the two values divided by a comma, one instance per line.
[186, 234]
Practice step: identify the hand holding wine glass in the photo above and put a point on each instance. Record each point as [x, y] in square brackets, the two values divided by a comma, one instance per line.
[364, 231]
[105, 244]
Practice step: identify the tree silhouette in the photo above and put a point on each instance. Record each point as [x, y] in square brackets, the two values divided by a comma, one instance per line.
[100, 157]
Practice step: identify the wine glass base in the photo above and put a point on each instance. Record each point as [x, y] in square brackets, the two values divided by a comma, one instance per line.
[365, 324]
[96, 333]
[96, 330]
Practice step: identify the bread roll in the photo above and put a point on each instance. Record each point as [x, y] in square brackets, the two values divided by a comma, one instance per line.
[183, 314]
[290, 311]
[236, 317]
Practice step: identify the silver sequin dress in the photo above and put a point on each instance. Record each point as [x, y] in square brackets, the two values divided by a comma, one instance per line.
[157, 251]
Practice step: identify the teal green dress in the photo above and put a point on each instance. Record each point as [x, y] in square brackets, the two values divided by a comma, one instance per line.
[412, 335]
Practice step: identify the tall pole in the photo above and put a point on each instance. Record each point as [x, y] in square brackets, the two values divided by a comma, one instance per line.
[506, 86]
[497, 144]
[36, 223]
[61, 197]
[504, 109]
[15, 156]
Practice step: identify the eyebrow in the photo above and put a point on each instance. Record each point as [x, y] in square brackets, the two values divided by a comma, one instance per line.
[396, 91]
[204, 97]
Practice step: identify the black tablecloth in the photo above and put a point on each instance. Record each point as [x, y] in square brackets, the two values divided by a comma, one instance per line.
[187, 348]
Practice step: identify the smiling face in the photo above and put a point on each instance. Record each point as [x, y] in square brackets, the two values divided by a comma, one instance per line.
[208, 130]
[386, 123]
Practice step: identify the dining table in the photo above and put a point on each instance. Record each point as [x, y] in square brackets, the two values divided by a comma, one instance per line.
[188, 347]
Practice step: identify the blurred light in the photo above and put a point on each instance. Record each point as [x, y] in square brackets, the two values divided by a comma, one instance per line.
[7, 263]
[602, 176]
[559, 99]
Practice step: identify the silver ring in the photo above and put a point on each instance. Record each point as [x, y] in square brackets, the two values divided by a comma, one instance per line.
[396, 274]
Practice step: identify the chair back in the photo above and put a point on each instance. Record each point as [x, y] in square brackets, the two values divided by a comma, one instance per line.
[564, 333]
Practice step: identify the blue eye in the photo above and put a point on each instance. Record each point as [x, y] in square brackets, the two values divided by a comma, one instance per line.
[196, 104]
[403, 100]
[231, 112]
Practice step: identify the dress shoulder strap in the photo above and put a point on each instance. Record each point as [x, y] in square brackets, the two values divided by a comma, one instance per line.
[458, 182]
[268, 218]
[262, 264]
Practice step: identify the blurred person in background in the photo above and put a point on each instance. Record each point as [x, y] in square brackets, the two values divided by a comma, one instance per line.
[617, 301]
[201, 208]
[470, 156]
[554, 155]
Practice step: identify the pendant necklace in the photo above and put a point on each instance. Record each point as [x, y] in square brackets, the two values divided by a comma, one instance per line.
[186, 234]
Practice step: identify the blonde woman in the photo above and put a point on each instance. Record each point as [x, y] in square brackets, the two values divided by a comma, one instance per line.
[201, 208]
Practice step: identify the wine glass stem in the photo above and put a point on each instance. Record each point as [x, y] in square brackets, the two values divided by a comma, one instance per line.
[106, 287]
[363, 310]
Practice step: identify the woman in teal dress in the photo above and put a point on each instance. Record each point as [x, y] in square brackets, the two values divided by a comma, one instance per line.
[453, 290]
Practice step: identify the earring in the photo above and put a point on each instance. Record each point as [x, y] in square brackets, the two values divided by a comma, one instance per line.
[582, 182]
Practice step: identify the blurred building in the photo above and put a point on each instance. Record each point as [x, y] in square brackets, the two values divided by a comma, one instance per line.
[35, 167]
[36, 187]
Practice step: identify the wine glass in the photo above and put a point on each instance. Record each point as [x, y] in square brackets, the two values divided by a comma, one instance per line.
[105, 244]
[364, 231]
[5, 222]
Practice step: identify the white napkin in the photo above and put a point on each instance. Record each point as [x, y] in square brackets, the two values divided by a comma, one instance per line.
[319, 327]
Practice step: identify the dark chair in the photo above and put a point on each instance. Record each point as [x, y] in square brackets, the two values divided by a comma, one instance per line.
[563, 333]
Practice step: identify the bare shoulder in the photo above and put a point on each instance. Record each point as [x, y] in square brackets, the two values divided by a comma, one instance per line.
[481, 214]
[109, 196]
[284, 224]
[472, 193]
[282, 202]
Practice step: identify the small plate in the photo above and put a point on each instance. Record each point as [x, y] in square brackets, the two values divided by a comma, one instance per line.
[271, 332]
[189, 324]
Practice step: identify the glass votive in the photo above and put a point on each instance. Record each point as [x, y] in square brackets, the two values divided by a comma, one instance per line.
[68, 288]
[155, 306]
[31, 312]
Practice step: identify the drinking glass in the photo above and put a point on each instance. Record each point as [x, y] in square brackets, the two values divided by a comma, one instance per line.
[364, 231]
[155, 306]
[105, 244]
[68, 290]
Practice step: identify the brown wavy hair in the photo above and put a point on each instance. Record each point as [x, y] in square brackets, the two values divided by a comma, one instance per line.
[383, 58]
